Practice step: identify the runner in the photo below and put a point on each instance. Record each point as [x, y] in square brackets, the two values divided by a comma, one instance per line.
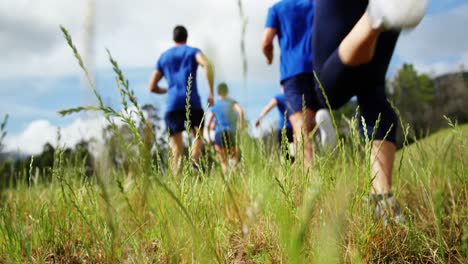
[176, 65]
[322, 118]
[229, 118]
[353, 42]
[291, 21]
[283, 125]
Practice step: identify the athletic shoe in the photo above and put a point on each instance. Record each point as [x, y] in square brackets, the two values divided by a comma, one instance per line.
[396, 14]
[326, 129]
[196, 167]
[386, 208]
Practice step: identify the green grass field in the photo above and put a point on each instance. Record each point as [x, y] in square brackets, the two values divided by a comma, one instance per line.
[267, 211]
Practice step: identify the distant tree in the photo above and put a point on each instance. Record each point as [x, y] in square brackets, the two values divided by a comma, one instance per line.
[118, 143]
[152, 130]
[45, 160]
[450, 98]
[413, 95]
[82, 156]
[41, 165]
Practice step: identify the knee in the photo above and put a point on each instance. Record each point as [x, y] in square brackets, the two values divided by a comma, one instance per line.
[355, 58]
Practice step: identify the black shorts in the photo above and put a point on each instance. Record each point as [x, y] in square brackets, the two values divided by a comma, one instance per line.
[175, 120]
[225, 139]
[299, 91]
[289, 135]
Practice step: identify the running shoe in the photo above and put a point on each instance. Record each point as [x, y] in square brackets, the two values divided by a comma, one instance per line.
[396, 14]
[326, 129]
[387, 209]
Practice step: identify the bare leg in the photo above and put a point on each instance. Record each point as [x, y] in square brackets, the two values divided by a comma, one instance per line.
[358, 47]
[235, 154]
[302, 130]
[197, 144]
[177, 149]
[383, 155]
[222, 156]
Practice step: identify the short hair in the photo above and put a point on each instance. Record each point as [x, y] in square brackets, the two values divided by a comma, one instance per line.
[180, 34]
[223, 89]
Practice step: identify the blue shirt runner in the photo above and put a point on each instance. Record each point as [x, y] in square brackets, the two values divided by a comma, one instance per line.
[226, 116]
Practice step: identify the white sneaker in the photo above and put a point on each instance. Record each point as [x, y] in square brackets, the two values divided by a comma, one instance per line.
[387, 209]
[396, 14]
[326, 129]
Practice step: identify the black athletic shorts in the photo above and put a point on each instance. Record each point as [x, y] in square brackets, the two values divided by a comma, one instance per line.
[299, 92]
[175, 120]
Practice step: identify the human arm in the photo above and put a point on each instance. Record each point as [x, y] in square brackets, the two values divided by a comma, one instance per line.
[266, 110]
[267, 44]
[154, 83]
[240, 113]
[210, 126]
[209, 72]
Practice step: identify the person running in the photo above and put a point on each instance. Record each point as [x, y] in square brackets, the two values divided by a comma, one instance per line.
[229, 118]
[291, 21]
[353, 42]
[322, 117]
[177, 65]
[283, 124]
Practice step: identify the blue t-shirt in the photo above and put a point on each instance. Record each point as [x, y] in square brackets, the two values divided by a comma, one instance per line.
[281, 105]
[226, 116]
[293, 21]
[176, 64]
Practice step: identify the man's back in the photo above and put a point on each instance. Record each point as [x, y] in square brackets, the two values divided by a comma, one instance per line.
[226, 117]
[177, 64]
[293, 20]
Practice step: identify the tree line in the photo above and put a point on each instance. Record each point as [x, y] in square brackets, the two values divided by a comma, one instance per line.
[425, 103]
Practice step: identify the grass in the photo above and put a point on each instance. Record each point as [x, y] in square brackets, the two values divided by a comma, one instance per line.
[263, 212]
[266, 211]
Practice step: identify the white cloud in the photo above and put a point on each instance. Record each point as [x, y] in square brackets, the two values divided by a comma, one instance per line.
[135, 31]
[214, 26]
[32, 28]
[40, 132]
[437, 45]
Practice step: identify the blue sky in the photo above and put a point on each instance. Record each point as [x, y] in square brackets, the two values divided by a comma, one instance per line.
[443, 5]
[41, 77]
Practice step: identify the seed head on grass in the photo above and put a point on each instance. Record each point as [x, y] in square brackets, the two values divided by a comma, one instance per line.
[3, 132]
[188, 106]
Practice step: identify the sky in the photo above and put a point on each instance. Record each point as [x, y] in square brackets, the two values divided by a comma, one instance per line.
[39, 75]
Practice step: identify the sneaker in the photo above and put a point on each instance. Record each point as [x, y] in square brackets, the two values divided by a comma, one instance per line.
[386, 208]
[326, 129]
[396, 14]
[196, 168]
